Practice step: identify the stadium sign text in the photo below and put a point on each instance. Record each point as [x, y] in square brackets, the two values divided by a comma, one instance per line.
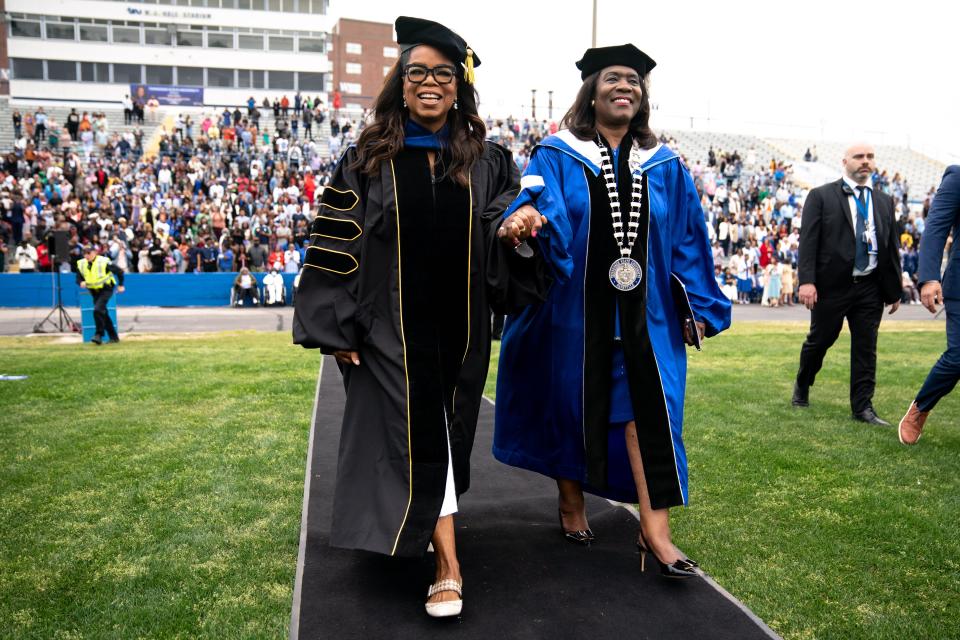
[169, 13]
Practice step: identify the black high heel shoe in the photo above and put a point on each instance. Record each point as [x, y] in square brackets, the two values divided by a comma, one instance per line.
[641, 546]
[682, 568]
[584, 537]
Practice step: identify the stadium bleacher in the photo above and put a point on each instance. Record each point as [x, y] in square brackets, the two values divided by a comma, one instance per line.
[921, 172]
[116, 125]
[695, 145]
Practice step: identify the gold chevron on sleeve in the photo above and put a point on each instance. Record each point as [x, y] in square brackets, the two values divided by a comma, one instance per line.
[339, 200]
[329, 260]
[335, 228]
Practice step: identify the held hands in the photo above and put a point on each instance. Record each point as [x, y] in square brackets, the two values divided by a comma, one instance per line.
[347, 357]
[894, 307]
[807, 293]
[688, 336]
[931, 294]
[121, 289]
[83, 285]
[524, 223]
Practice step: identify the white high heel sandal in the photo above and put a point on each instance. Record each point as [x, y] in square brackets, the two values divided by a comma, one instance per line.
[449, 608]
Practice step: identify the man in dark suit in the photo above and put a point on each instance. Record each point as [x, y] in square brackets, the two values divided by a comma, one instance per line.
[943, 217]
[849, 267]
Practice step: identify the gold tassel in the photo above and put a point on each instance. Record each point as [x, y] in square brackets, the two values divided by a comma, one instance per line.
[471, 78]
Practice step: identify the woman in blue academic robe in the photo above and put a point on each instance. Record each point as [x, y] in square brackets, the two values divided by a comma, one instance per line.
[591, 384]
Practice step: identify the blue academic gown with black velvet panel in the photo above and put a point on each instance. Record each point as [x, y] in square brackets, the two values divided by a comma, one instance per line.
[553, 386]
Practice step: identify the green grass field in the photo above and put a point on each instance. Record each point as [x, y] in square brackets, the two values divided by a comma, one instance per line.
[152, 489]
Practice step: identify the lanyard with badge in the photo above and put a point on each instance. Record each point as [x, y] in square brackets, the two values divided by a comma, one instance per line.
[863, 210]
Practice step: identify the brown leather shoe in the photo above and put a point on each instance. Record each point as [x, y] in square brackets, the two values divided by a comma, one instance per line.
[911, 426]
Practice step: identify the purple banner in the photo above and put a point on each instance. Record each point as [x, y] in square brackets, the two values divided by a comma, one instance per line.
[168, 94]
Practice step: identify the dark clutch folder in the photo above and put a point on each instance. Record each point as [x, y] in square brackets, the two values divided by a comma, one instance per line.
[682, 303]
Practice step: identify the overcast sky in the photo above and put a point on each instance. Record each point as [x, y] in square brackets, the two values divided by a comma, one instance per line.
[883, 71]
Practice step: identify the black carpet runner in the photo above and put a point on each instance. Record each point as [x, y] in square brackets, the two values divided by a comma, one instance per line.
[521, 578]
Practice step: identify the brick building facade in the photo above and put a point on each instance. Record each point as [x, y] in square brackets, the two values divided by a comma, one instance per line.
[361, 54]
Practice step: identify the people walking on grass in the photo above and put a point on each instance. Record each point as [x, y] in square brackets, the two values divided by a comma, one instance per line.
[849, 267]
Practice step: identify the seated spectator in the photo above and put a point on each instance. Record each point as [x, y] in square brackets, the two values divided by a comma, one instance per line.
[910, 294]
[729, 287]
[244, 289]
[273, 289]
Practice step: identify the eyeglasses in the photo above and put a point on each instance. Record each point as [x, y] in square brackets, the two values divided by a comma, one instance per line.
[443, 74]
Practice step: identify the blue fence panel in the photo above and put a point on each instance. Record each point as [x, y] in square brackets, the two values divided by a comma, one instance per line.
[88, 324]
[142, 289]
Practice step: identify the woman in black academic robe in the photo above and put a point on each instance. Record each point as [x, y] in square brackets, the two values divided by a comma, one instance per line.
[399, 279]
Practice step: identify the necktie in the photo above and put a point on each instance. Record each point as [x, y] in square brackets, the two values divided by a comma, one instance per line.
[862, 260]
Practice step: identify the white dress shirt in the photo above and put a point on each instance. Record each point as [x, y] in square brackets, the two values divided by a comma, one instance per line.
[870, 224]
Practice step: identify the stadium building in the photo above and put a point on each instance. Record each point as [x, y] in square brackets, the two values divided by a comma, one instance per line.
[222, 50]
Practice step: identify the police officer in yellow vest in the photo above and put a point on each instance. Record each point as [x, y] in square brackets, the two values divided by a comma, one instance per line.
[97, 275]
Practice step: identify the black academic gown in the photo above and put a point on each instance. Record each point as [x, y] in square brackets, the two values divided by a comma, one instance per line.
[405, 270]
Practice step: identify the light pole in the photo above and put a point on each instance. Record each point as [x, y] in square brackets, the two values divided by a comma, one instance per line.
[594, 39]
[533, 103]
[550, 104]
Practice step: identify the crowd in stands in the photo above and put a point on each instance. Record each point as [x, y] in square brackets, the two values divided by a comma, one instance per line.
[219, 195]
[224, 194]
[87, 132]
[753, 213]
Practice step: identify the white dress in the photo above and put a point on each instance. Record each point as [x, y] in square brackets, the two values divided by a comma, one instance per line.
[449, 505]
